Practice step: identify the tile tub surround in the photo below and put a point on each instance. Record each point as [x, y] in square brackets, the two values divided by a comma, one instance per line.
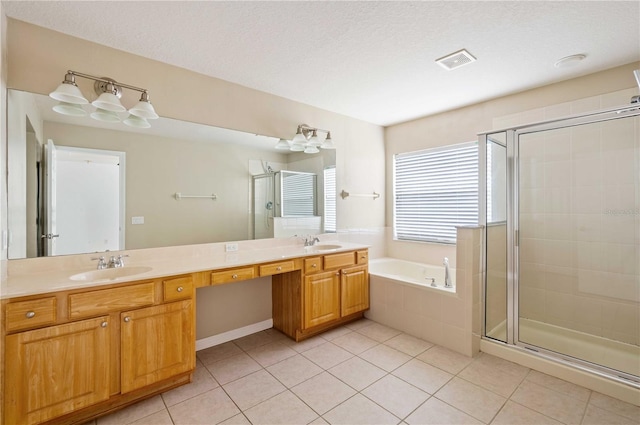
[452, 320]
[430, 385]
[49, 274]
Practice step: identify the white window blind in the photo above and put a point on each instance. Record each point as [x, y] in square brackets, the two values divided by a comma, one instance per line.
[330, 199]
[435, 190]
[298, 194]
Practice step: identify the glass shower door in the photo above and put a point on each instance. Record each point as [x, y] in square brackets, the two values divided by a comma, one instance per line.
[578, 242]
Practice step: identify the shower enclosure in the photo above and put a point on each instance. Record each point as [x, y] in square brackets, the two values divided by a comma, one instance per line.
[285, 194]
[561, 209]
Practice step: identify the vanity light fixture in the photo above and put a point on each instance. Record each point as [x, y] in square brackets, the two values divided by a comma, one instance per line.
[107, 104]
[306, 140]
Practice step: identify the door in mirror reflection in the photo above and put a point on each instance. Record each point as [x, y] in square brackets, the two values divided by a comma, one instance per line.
[84, 206]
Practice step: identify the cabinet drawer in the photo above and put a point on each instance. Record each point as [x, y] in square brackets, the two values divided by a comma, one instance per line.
[233, 275]
[94, 303]
[275, 268]
[30, 314]
[312, 265]
[343, 259]
[177, 288]
[362, 257]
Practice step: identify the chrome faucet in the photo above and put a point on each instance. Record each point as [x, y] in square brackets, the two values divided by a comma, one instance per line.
[116, 261]
[102, 264]
[309, 241]
[447, 277]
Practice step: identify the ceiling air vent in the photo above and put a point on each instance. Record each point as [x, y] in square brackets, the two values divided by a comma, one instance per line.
[455, 60]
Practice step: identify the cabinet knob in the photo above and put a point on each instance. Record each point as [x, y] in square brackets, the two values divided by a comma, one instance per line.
[127, 319]
[30, 314]
[235, 276]
[314, 266]
[278, 268]
[344, 272]
[363, 257]
[180, 289]
[337, 273]
[104, 324]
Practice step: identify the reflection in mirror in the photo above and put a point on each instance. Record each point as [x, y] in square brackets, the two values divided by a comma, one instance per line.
[496, 238]
[99, 186]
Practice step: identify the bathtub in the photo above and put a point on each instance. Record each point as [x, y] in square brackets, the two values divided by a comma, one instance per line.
[410, 273]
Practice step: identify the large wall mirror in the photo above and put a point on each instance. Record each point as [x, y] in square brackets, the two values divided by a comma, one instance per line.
[77, 185]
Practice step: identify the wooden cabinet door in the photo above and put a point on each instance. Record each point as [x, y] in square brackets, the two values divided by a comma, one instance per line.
[321, 298]
[354, 289]
[56, 370]
[156, 343]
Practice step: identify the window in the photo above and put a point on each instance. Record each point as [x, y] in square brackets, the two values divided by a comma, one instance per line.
[435, 190]
[330, 199]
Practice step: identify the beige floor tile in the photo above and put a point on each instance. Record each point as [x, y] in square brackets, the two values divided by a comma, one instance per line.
[379, 332]
[305, 345]
[134, 412]
[233, 368]
[334, 333]
[211, 407]
[285, 408]
[396, 395]
[437, 412]
[218, 352]
[424, 376]
[323, 392]
[408, 344]
[620, 407]
[514, 413]
[327, 355]
[294, 370]
[556, 384]
[359, 324]
[445, 359]
[497, 375]
[277, 336]
[255, 340]
[271, 353]
[159, 418]
[471, 399]
[598, 416]
[238, 419]
[318, 421]
[253, 389]
[357, 373]
[385, 357]
[359, 410]
[354, 342]
[201, 383]
[558, 406]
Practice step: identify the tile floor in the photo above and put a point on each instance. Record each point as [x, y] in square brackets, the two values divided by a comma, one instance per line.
[366, 373]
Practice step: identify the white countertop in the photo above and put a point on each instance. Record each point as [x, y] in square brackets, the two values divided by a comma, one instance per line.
[43, 279]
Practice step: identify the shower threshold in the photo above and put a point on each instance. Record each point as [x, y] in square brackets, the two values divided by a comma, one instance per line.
[601, 351]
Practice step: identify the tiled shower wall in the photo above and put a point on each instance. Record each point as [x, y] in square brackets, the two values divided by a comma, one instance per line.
[580, 228]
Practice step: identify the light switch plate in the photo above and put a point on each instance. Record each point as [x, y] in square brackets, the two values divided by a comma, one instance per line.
[137, 220]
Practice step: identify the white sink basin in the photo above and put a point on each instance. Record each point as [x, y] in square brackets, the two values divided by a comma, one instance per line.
[325, 247]
[110, 274]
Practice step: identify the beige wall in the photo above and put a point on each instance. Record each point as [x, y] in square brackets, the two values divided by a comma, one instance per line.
[158, 167]
[462, 125]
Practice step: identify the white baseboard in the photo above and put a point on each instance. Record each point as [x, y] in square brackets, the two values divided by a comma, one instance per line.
[210, 341]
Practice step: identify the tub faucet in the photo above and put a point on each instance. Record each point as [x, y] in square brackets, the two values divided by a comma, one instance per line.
[447, 277]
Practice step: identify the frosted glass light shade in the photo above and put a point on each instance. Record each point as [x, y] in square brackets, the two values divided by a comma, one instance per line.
[69, 93]
[143, 109]
[314, 141]
[134, 121]
[328, 143]
[105, 116]
[71, 109]
[283, 145]
[109, 102]
[297, 147]
[311, 149]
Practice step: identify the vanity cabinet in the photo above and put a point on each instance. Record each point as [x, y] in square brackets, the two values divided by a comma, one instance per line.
[56, 370]
[72, 355]
[333, 289]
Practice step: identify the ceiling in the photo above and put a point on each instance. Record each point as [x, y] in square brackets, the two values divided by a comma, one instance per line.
[374, 61]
